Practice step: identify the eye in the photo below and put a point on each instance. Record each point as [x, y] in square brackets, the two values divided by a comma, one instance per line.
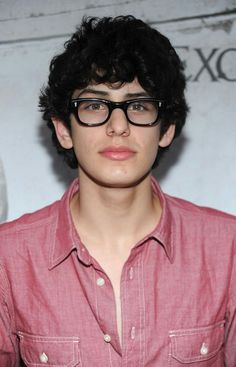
[93, 106]
[138, 106]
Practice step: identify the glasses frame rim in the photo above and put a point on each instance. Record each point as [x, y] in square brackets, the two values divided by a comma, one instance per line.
[123, 105]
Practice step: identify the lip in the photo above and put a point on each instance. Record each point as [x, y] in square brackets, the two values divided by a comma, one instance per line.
[117, 153]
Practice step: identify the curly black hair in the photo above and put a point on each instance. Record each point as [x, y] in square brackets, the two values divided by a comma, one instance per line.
[111, 50]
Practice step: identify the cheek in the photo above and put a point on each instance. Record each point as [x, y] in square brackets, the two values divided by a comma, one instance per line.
[82, 147]
[82, 140]
[153, 150]
[151, 144]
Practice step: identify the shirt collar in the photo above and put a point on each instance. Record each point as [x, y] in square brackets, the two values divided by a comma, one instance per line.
[164, 231]
[65, 239]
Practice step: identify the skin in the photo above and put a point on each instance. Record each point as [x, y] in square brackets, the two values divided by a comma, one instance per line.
[117, 184]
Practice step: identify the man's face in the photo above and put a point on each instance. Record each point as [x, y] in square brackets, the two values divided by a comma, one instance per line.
[116, 154]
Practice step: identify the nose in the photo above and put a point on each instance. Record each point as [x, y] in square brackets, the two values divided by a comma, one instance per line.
[118, 123]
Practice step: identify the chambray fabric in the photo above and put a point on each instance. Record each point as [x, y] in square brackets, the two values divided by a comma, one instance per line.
[178, 292]
[3, 195]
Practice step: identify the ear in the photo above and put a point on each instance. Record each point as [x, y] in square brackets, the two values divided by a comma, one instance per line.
[168, 137]
[63, 133]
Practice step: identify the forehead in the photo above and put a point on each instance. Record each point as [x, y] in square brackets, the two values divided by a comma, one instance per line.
[112, 90]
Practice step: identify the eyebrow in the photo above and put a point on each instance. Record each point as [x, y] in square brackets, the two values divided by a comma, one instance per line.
[137, 94]
[106, 94]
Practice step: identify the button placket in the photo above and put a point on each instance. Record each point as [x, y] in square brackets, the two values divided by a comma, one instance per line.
[134, 307]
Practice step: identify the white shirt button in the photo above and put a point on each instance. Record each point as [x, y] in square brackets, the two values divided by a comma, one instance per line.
[107, 338]
[132, 332]
[43, 358]
[131, 273]
[100, 282]
[204, 349]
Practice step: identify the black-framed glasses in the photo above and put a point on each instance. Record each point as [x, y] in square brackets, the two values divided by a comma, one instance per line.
[96, 111]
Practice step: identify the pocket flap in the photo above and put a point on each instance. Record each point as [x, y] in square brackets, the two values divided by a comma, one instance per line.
[192, 345]
[49, 351]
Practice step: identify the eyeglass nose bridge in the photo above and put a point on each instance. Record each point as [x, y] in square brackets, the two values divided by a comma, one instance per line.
[121, 105]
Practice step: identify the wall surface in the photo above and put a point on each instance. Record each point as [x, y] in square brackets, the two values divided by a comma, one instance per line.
[200, 166]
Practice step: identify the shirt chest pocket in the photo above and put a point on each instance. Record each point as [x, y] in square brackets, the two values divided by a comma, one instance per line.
[197, 347]
[39, 351]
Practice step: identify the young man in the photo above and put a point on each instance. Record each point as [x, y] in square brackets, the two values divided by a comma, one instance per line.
[117, 273]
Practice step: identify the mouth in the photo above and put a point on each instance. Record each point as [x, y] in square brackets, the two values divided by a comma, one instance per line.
[119, 153]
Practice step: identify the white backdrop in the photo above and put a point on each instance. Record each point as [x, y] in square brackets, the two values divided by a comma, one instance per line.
[200, 166]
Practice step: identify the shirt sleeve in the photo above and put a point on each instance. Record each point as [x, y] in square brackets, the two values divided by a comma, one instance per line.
[3, 195]
[230, 335]
[8, 340]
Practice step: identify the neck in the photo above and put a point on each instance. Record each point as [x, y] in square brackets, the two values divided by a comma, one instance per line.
[124, 214]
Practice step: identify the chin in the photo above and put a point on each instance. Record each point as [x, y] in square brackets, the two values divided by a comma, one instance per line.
[128, 181]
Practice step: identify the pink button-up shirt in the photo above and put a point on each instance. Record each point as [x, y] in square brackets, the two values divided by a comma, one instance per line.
[178, 293]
